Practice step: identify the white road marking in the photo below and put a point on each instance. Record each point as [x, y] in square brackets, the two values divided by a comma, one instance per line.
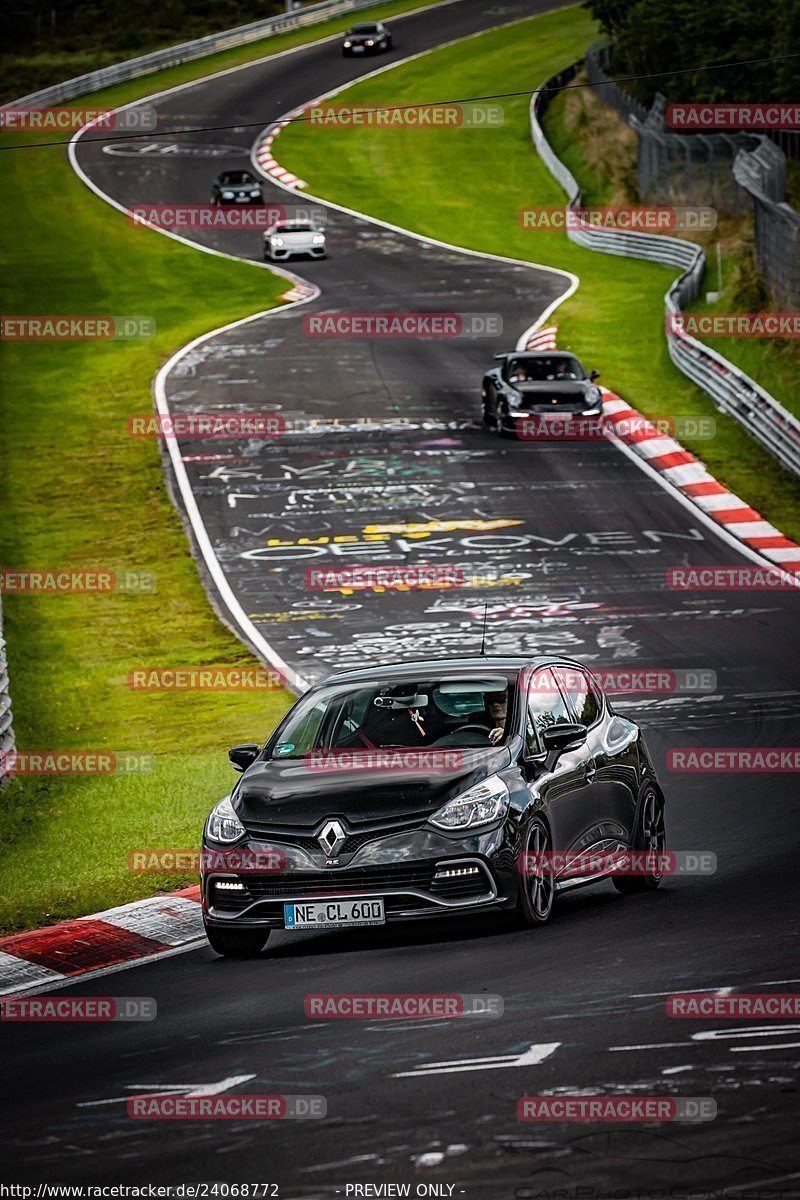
[172, 1089]
[531, 1057]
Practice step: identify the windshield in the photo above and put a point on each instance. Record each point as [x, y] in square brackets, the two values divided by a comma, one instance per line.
[546, 367]
[237, 177]
[294, 227]
[365, 29]
[469, 712]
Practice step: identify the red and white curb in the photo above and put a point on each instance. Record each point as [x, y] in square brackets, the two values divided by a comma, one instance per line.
[689, 475]
[50, 956]
[265, 158]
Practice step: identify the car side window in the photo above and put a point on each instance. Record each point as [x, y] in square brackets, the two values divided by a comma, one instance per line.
[582, 693]
[546, 705]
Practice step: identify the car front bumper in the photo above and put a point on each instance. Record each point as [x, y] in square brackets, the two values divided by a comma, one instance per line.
[284, 252]
[418, 876]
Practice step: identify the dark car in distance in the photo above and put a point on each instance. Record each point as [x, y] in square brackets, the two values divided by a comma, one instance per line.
[236, 187]
[369, 38]
[529, 383]
[413, 790]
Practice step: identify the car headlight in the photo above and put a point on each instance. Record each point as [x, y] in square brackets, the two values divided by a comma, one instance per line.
[370, 42]
[223, 823]
[318, 239]
[227, 195]
[513, 399]
[276, 241]
[594, 395]
[479, 805]
[347, 45]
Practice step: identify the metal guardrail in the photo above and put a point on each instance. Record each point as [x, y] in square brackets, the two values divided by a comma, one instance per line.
[172, 56]
[733, 392]
[6, 729]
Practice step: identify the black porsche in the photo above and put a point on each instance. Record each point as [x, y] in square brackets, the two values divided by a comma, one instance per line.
[367, 38]
[543, 384]
[236, 187]
[437, 787]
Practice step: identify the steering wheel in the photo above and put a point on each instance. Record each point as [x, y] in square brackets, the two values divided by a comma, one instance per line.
[445, 741]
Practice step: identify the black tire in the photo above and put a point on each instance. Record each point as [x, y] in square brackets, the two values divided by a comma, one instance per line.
[650, 838]
[537, 889]
[237, 943]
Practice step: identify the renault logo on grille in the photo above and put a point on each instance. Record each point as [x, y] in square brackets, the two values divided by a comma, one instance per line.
[332, 837]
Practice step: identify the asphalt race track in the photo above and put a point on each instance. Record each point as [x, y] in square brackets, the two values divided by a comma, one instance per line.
[399, 470]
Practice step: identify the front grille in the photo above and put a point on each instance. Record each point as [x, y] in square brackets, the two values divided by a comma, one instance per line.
[367, 879]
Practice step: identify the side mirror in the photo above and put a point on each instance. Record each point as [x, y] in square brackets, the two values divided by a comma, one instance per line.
[594, 374]
[244, 756]
[564, 737]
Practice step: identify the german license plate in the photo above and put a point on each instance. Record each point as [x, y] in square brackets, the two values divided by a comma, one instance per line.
[333, 914]
[358, 49]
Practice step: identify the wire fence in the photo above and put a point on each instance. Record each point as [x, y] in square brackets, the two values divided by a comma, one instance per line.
[776, 224]
[733, 392]
[731, 172]
[6, 728]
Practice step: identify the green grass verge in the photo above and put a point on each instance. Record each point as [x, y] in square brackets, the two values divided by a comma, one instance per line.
[468, 187]
[78, 492]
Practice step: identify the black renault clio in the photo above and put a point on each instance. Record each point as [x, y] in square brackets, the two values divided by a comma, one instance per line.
[419, 789]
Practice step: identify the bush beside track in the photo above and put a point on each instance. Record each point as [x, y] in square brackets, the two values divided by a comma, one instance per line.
[76, 491]
[466, 186]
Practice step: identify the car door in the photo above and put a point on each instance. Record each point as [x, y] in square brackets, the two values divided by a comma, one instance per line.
[613, 754]
[566, 788]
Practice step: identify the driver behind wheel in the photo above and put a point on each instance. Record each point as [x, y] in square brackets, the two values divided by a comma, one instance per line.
[497, 707]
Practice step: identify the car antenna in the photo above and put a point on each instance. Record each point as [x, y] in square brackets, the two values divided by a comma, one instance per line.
[483, 635]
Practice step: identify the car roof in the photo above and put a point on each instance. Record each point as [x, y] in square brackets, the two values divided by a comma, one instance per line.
[508, 665]
[540, 354]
